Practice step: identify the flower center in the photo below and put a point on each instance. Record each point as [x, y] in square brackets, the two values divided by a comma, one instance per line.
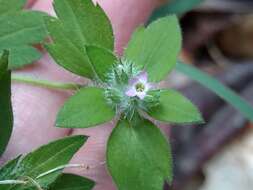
[140, 87]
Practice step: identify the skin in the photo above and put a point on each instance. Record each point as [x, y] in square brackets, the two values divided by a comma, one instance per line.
[35, 108]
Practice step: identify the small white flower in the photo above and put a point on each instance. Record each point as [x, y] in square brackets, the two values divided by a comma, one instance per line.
[138, 86]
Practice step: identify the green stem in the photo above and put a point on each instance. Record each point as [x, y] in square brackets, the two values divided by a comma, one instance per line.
[59, 168]
[35, 183]
[45, 83]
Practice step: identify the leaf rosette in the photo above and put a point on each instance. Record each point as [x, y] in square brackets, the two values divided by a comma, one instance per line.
[123, 87]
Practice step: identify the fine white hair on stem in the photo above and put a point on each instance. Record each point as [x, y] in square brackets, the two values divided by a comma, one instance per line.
[82, 166]
[34, 182]
[62, 167]
[9, 182]
[27, 179]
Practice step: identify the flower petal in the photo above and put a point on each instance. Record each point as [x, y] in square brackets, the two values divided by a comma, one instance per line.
[149, 86]
[131, 92]
[133, 81]
[141, 95]
[143, 77]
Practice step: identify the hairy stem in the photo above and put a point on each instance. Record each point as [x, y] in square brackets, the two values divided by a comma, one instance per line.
[59, 168]
[45, 83]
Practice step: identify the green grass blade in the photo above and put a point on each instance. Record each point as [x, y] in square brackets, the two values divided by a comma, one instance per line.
[174, 7]
[218, 88]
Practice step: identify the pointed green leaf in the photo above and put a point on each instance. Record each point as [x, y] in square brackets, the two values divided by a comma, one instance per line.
[65, 53]
[156, 48]
[50, 156]
[80, 23]
[102, 60]
[6, 115]
[19, 30]
[44, 159]
[218, 88]
[85, 23]
[175, 108]
[72, 182]
[7, 169]
[86, 108]
[139, 157]
[22, 28]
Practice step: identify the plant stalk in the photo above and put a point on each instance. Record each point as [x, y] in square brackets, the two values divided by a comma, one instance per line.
[45, 83]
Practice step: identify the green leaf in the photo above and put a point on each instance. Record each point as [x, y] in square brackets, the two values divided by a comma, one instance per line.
[11, 6]
[80, 23]
[102, 60]
[139, 157]
[3, 62]
[156, 48]
[22, 56]
[22, 28]
[174, 7]
[19, 30]
[6, 115]
[85, 23]
[7, 170]
[86, 108]
[72, 182]
[175, 108]
[44, 159]
[218, 88]
[65, 53]
[52, 155]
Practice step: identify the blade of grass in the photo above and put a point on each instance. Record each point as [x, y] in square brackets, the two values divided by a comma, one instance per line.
[218, 88]
[178, 7]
